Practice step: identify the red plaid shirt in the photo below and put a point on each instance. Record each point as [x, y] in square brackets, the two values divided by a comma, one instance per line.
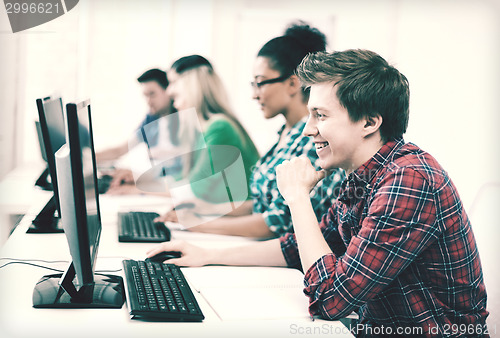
[404, 254]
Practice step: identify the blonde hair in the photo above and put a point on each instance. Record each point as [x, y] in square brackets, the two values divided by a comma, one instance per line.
[206, 92]
[207, 95]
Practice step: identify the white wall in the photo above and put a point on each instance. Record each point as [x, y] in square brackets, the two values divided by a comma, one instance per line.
[448, 49]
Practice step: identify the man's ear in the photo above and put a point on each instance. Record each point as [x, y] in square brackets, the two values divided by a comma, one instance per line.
[372, 124]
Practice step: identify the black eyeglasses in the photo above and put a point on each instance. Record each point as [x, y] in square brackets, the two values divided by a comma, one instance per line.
[257, 85]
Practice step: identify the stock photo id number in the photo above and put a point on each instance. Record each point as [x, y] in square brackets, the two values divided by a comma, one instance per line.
[24, 14]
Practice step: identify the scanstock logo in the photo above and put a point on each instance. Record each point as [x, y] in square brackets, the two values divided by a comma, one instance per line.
[26, 14]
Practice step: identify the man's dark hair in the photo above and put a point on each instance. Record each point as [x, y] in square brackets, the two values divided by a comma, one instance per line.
[157, 75]
[366, 86]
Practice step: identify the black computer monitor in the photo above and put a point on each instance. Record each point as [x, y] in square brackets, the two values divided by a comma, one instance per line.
[79, 286]
[43, 181]
[51, 134]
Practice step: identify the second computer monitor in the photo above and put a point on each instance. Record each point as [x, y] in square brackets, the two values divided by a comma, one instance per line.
[52, 137]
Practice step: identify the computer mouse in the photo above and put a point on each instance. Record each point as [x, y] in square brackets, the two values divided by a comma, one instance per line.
[164, 256]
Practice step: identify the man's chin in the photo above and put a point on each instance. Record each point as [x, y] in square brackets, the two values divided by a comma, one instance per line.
[325, 165]
[160, 112]
[268, 114]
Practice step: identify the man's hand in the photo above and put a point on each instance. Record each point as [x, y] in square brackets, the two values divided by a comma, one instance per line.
[186, 216]
[191, 255]
[123, 183]
[169, 216]
[297, 177]
[124, 189]
[121, 176]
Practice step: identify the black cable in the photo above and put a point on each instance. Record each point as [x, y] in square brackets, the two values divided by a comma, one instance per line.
[31, 260]
[32, 264]
[101, 272]
[28, 262]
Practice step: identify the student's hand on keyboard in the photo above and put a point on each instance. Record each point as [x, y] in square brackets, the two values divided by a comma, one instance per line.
[183, 213]
[124, 189]
[191, 255]
[122, 176]
[189, 221]
[170, 216]
[123, 183]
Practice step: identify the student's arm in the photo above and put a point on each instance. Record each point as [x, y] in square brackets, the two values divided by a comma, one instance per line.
[252, 225]
[265, 253]
[296, 178]
[115, 152]
[243, 210]
[112, 153]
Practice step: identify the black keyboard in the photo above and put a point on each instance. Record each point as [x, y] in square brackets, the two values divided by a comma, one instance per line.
[159, 291]
[139, 227]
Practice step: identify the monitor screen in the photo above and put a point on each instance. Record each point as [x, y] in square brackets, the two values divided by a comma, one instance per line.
[51, 131]
[80, 218]
[83, 224]
[38, 128]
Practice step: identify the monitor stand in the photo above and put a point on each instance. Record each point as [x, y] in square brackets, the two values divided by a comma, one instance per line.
[43, 182]
[46, 222]
[58, 291]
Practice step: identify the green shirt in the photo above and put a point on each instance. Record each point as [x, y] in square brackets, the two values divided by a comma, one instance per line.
[222, 169]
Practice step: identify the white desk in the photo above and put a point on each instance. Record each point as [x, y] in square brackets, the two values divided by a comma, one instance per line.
[19, 319]
[18, 194]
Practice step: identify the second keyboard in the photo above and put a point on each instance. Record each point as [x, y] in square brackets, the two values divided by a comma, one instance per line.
[139, 227]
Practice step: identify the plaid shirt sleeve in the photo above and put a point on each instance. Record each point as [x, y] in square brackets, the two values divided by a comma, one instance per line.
[330, 233]
[399, 225]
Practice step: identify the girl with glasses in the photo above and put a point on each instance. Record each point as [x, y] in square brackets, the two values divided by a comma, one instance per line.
[278, 91]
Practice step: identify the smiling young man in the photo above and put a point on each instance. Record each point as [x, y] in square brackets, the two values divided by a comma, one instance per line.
[403, 249]
[396, 246]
